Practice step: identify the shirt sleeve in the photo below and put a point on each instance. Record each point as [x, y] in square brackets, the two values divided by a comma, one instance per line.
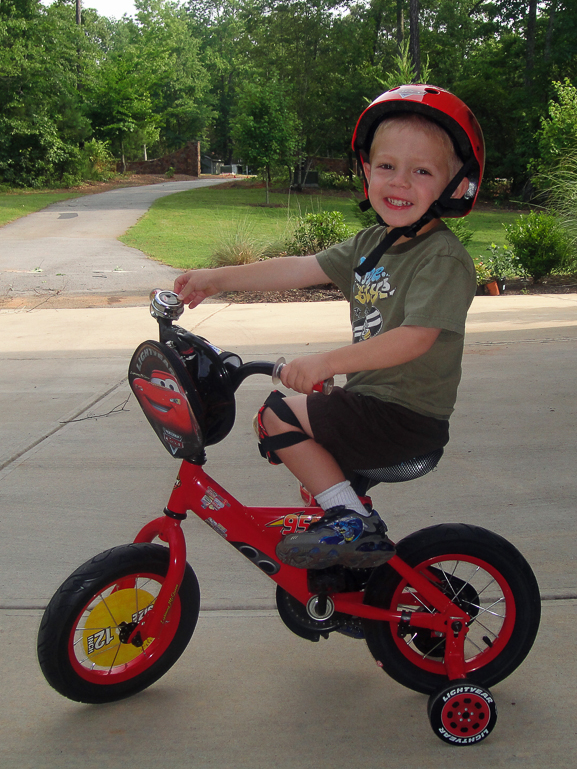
[440, 294]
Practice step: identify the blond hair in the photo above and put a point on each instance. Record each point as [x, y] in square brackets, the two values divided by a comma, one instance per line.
[428, 127]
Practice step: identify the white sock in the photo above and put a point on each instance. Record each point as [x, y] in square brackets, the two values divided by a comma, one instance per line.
[341, 494]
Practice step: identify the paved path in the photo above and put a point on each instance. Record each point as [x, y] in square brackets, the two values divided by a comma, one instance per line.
[71, 248]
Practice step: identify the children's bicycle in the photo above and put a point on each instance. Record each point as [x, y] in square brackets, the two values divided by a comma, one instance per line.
[453, 612]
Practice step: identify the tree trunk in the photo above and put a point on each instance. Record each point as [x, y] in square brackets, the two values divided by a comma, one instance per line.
[79, 12]
[550, 29]
[530, 55]
[400, 26]
[414, 43]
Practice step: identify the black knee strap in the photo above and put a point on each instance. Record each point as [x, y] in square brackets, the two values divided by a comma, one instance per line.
[269, 444]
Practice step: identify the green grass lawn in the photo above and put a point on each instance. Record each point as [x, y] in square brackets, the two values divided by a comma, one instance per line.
[13, 205]
[184, 229]
[488, 228]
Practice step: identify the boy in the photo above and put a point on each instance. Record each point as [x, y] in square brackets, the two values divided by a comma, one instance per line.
[421, 151]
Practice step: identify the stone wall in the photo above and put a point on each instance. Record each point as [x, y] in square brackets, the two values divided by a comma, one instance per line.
[184, 161]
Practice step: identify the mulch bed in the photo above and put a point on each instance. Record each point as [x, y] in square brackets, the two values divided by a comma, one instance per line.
[313, 294]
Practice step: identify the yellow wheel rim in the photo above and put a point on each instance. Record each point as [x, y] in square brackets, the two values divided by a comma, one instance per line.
[101, 643]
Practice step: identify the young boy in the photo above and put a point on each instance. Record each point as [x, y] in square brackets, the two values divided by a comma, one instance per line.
[421, 151]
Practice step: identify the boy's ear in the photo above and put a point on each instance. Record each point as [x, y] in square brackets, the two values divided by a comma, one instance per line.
[367, 170]
[461, 189]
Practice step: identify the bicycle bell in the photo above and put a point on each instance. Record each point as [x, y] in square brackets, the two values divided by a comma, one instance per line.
[165, 304]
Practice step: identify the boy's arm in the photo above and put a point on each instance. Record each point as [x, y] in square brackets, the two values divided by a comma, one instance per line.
[269, 275]
[394, 347]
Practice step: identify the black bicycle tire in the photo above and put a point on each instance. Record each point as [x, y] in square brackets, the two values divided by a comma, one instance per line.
[465, 539]
[61, 616]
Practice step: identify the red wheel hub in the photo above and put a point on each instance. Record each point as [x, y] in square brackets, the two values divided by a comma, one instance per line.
[465, 715]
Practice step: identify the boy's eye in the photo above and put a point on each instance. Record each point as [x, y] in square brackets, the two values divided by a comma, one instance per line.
[423, 171]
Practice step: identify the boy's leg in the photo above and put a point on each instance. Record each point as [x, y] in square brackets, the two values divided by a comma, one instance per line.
[347, 534]
[308, 461]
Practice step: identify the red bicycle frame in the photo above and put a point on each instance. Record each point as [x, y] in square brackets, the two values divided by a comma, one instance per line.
[256, 531]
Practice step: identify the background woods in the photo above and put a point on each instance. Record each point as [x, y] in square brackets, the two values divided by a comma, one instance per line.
[297, 74]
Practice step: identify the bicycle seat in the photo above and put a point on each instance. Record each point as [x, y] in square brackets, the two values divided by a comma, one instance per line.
[404, 471]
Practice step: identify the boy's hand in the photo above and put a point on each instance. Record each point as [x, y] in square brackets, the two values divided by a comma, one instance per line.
[194, 286]
[303, 373]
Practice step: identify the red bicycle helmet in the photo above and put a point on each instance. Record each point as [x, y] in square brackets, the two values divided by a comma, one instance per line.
[452, 114]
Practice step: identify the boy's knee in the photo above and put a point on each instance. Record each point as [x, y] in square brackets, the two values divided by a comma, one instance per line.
[273, 424]
[277, 427]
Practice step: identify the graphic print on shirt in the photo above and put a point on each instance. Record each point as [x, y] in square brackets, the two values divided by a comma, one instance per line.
[372, 287]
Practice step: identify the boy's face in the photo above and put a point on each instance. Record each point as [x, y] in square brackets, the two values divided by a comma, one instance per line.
[408, 170]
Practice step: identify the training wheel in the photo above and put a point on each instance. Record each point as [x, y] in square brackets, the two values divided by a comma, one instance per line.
[462, 713]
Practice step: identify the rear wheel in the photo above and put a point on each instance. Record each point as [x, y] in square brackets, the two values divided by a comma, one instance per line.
[486, 577]
[82, 642]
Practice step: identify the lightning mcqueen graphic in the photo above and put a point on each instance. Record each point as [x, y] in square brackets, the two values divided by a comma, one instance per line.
[163, 401]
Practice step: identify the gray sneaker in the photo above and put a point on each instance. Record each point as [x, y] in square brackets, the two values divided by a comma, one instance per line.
[341, 537]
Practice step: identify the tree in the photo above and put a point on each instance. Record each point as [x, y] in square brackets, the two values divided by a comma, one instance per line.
[264, 130]
[42, 123]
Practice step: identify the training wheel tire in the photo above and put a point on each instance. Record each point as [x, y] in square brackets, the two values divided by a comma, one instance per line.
[462, 713]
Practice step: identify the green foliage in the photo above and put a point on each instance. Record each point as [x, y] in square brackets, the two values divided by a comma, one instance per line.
[315, 232]
[405, 71]
[502, 262]
[178, 73]
[264, 130]
[558, 133]
[461, 229]
[366, 218]
[539, 243]
[562, 197]
[331, 180]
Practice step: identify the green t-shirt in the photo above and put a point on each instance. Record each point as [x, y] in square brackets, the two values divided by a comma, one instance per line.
[428, 281]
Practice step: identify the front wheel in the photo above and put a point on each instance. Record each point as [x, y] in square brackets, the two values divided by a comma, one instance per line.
[486, 577]
[81, 646]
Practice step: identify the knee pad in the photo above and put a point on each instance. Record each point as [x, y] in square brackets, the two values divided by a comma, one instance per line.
[269, 444]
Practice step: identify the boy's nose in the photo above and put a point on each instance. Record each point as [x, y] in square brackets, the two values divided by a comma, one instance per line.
[401, 179]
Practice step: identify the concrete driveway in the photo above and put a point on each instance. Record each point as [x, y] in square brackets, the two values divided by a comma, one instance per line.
[82, 471]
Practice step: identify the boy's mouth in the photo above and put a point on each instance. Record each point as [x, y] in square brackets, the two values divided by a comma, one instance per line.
[397, 203]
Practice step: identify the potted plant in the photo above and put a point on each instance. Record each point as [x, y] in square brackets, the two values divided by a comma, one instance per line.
[483, 277]
[493, 271]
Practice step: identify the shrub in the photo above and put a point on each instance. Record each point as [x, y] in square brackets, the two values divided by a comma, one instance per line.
[539, 243]
[461, 229]
[366, 218]
[316, 232]
[502, 262]
[332, 180]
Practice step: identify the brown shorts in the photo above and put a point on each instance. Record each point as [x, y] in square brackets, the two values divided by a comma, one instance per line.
[363, 432]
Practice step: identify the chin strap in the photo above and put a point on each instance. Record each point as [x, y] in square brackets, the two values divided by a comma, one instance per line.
[444, 205]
